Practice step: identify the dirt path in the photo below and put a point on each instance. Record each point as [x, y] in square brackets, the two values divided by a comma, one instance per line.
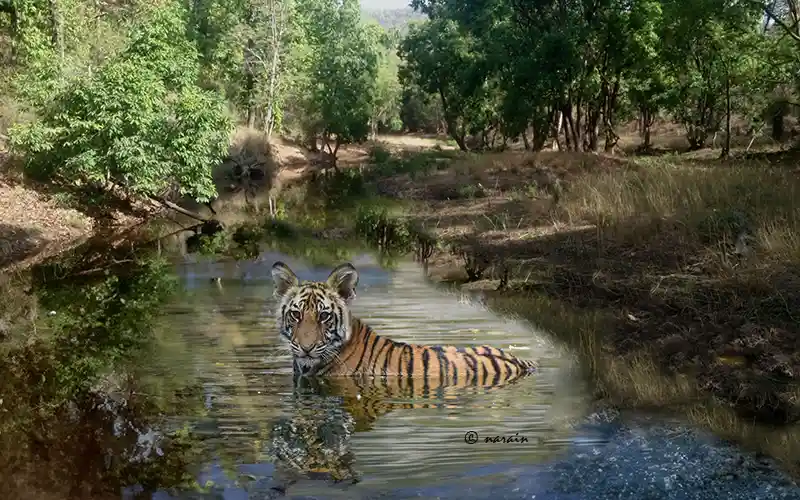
[33, 225]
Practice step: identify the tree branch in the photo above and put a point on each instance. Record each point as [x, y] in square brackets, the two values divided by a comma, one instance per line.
[181, 210]
[771, 13]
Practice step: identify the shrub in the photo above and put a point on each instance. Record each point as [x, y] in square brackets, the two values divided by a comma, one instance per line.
[140, 123]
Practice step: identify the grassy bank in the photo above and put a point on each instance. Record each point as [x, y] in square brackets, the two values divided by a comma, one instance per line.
[694, 265]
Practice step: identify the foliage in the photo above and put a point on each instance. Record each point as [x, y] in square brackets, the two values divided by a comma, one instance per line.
[344, 64]
[103, 321]
[136, 96]
[80, 369]
[535, 71]
[140, 122]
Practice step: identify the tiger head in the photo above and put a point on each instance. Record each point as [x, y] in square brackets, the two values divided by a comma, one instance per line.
[314, 317]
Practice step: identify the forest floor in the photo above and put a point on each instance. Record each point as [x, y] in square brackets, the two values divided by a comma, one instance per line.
[36, 222]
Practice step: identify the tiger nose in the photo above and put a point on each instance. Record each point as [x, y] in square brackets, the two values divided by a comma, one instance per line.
[305, 350]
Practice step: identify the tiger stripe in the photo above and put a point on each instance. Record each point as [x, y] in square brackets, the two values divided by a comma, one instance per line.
[326, 340]
[367, 353]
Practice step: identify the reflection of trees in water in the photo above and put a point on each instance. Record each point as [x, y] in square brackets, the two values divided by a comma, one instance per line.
[60, 435]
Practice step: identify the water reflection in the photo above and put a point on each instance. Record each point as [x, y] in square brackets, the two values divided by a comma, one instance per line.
[76, 418]
[314, 441]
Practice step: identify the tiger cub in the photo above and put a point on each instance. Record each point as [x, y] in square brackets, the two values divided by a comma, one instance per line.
[325, 339]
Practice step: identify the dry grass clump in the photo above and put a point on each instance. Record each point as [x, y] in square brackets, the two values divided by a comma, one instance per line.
[747, 210]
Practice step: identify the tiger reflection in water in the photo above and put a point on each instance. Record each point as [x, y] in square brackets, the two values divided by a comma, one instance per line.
[347, 376]
[314, 442]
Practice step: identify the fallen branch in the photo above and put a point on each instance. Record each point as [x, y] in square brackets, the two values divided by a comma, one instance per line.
[190, 228]
[755, 135]
[181, 210]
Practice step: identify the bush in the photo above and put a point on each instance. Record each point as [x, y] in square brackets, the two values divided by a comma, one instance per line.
[379, 154]
[140, 123]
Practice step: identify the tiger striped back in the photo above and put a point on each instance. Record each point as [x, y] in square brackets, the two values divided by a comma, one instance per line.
[315, 319]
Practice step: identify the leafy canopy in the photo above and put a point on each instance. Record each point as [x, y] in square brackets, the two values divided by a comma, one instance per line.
[140, 122]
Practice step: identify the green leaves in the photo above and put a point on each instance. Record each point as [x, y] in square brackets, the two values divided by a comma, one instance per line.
[140, 122]
[343, 63]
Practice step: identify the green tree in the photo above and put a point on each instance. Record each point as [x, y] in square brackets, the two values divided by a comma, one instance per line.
[343, 60]
[702, 43]
[440, 59]
[388, 91]
[140, 123]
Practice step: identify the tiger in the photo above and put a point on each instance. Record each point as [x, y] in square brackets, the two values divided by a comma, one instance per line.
[325, 339]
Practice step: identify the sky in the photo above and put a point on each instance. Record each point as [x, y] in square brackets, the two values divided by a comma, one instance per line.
[384, 4]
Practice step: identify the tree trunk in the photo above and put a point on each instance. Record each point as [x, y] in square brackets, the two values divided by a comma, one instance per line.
[779, 110]
[250, 85]
[451, 126]
[610, 105]
[57, 30]
[277, 26]
[647, 123]
[557, 130]
[592, 129]
[249, 68]
[269, 119]
[567, 137]
[726, 148]
[571, 129]
[525, 140]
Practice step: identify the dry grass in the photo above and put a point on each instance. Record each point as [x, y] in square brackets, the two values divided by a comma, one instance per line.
[636, 379]
[704, 206]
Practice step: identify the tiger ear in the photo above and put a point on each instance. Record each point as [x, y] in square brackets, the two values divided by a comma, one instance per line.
[283, 277]
[344, 279]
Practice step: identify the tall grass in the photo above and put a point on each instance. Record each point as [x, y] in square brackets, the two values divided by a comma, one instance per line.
[705, 204]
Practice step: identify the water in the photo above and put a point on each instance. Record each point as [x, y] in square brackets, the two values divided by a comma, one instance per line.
[233, 328]
[208, 408]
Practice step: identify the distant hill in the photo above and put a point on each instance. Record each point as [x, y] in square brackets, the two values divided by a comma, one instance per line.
[384, 4]
[392, 18]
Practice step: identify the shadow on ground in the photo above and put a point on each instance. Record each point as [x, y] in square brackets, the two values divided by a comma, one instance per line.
[729, 324]
[17, 243]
